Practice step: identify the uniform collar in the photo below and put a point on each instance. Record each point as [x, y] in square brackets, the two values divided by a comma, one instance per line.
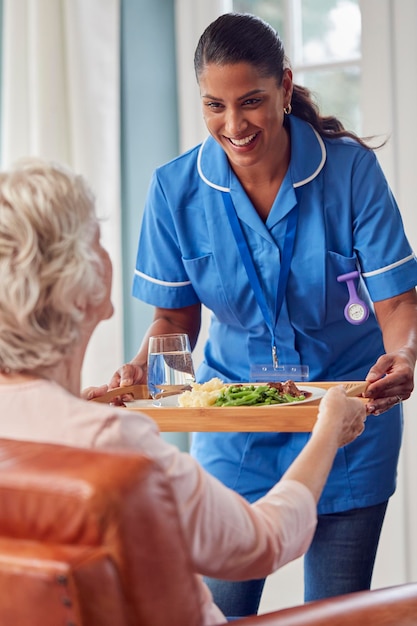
[308, 155]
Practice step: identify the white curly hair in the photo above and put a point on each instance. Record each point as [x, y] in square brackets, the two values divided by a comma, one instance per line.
[47, 265]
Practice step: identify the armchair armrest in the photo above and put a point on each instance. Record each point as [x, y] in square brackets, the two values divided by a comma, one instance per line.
[391, 606]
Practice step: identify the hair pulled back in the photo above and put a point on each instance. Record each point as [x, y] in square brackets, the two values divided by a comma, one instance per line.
[241, 38]
[245, 38]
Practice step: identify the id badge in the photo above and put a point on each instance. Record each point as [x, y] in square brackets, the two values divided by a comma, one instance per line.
[264, 373]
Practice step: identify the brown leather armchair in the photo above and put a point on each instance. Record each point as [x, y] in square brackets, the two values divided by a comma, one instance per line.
[89, 538]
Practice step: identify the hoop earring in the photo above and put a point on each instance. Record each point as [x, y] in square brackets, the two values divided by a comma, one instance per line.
[288, 109]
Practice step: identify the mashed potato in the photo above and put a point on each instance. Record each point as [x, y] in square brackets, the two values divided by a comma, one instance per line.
[202, 394]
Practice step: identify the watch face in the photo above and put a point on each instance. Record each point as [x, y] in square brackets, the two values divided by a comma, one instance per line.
[356, 312]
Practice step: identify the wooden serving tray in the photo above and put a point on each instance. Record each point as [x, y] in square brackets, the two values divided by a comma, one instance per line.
[276, 418]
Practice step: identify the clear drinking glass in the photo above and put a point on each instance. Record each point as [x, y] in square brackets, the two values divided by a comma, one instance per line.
[170, 366]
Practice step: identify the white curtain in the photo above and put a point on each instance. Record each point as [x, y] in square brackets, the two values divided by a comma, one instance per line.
[191, 18]
[60, 100]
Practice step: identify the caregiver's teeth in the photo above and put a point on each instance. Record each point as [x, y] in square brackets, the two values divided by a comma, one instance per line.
[242, 142]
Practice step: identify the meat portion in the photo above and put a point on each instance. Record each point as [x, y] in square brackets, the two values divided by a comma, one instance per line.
[288, 387]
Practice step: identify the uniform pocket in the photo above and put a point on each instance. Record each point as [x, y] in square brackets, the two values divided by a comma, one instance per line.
[209, 287]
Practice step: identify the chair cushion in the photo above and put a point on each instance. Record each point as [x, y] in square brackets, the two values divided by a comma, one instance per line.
[119, 502]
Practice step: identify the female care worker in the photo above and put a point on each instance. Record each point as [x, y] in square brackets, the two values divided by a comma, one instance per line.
[283, 225]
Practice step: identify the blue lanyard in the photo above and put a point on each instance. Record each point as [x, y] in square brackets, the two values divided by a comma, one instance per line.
[287, 254]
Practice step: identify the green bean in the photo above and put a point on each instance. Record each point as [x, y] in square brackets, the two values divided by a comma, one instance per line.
[249, 395]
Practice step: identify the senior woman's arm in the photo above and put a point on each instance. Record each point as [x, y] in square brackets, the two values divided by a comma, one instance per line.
[228, 537]
[391, 379]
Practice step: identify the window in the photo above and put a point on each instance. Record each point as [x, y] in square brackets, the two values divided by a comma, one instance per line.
[322, 39]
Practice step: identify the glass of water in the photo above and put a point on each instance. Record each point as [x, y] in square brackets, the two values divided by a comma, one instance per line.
[170, 367]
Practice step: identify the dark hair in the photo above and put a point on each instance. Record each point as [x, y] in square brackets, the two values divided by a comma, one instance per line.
[245, 38]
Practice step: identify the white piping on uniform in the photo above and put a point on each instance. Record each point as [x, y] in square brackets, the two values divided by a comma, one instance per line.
[389, 267]
[321, 164]
[200, 172]
[184, 283]
[299, 184]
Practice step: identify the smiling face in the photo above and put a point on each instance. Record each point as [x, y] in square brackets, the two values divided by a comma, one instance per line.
[244, 112]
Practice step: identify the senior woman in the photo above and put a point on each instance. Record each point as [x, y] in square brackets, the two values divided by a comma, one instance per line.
[55, 281]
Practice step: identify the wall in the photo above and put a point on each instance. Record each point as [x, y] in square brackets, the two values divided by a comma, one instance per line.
[149, 137]
[149, 131]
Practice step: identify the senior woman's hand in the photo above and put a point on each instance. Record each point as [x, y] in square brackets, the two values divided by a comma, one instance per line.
[341, 417]
[89, 393]
[127, 374]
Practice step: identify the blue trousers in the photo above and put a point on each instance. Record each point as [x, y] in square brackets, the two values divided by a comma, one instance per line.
[340, 560]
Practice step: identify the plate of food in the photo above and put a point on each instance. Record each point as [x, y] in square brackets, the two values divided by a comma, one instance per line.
[216, 393]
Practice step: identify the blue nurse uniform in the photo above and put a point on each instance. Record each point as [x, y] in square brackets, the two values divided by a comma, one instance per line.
[347, 220]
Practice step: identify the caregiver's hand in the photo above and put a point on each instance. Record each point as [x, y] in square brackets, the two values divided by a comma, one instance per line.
[391, 380]
[128, 374]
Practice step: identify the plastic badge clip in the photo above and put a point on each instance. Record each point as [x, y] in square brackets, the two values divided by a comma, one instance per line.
[269, 373]
[356, 311]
